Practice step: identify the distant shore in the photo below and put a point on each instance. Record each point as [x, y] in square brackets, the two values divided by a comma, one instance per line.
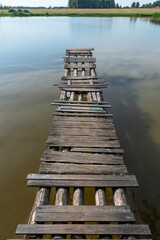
[130, 12]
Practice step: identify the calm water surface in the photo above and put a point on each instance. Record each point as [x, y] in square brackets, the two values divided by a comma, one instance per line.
[128, 57]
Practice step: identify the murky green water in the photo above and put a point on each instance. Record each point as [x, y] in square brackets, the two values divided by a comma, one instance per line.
[31, 50]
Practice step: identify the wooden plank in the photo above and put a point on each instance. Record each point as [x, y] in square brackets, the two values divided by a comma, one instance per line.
[90, 229]
[83, 119]
[80, 125]
[83, 114]
[74, 157]
[80, 110]
[91, 89]
[99, 150]
[83, 132]
[110, 140]
[79, 78]
[88, 184]
[79, 142]
[80, 66]
[86, 81]
[81, 105]
[83, 177]
[64, 168]
[105, 215]
[78, 59]
[79, 52]
[79, 49]
[81, 217]
[80, 102]
[83, 209]
[81, 86]
[80, 82]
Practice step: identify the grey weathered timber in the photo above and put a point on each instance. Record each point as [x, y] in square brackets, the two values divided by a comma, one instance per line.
[81, 169]
[68, 183]
[84, 114]
[81, 86]
[75, 50]
[81, 81]
[86, 215]
[81, 105]
[90, 229]
[80, 66]
[83, 119]
[99, 150]
[82, 177]
[79, 142]
[74, 157]
[81, 110]
[78, 59]
[79, 77]
[78, 124]
[82, 89]
[110, 134]
[83, 209]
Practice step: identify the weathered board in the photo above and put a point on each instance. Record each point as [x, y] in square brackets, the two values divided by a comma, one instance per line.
[81, 105]
[74, 157]
[65, 168]
[77, 141]
[84, 114]
[76, 214]
[90, 229]
[82, 59]
[99, 150]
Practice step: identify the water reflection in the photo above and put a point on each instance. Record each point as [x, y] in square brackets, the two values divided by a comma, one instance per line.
[31, 50]
[150, 215]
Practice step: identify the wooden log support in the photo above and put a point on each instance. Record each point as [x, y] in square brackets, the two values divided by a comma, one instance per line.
[83, 154]
[80, 97]
[42, 198]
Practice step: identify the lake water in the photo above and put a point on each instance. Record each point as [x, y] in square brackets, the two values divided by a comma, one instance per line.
[128, 58]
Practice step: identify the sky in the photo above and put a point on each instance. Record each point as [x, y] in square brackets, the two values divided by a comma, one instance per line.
[53, 3]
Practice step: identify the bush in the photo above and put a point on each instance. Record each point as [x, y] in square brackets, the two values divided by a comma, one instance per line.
[19, 10]
[25, 11]
[11, 10]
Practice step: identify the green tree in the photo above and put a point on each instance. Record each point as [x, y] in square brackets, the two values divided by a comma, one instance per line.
[25, 11]
[10, 10]
[133, 5]
[137, 4]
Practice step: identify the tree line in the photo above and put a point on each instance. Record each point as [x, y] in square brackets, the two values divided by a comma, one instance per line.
[91, 4]
[107, 4]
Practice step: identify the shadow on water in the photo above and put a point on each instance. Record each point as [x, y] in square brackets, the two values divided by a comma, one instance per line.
[141, 153]
[149, 214]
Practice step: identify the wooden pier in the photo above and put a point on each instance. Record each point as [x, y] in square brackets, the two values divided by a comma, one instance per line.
[83, 153]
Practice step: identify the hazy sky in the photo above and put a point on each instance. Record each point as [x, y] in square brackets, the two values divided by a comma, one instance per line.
[53, 3]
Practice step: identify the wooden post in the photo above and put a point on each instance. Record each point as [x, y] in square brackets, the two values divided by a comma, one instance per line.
[100, 198]
[42, 198]
[83, 69]
[80, 97]
[61, 199]
[89, 97]
[94, 97]
[119, 197]
[99, 97]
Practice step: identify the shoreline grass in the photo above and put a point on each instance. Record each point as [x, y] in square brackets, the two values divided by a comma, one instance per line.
[153, 13]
